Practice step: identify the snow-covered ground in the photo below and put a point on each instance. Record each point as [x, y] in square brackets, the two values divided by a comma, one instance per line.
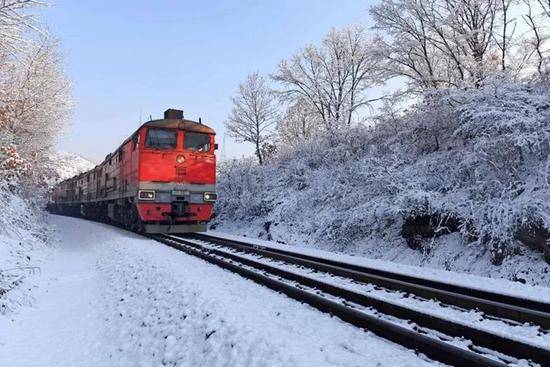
[106, 297]
[22, 224]
[21, 230]
[447, 252]
[525, 332]
[501, 286]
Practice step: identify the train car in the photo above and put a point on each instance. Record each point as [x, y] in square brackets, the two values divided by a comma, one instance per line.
[162, 179]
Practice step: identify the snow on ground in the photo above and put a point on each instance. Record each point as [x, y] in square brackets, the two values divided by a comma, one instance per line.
[524, 332]
[447, 255]
[21, 231]
[501, 286]
[22, 225]
[106, 297]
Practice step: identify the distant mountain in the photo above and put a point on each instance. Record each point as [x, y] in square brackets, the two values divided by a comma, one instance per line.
[68, 165]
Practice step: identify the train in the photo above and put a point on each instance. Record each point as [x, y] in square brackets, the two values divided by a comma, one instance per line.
[161, 179]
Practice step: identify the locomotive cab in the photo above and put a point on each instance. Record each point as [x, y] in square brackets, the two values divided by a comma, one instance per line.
[162, 179]
[177, 175]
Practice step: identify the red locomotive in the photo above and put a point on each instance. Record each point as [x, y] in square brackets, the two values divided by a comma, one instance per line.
[160, 180]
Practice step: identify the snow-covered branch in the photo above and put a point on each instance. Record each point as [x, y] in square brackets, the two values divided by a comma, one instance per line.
[254, 114]
[332, 78]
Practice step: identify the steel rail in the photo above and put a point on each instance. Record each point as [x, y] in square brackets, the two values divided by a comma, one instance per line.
[503, 306]
[479, 337]
[430, 346]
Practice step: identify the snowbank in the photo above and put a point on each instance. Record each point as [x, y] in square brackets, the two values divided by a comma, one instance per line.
[23, 226]
[22, 230]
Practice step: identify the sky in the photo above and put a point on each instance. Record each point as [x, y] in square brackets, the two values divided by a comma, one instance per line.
[131, 59]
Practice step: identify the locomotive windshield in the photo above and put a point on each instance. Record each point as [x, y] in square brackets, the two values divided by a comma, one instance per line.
[197, 142]
[161, 138]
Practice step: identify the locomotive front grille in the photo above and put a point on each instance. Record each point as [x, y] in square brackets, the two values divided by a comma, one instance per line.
[179, 209]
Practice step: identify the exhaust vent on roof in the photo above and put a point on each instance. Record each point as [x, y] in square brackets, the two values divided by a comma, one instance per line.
[173, 114]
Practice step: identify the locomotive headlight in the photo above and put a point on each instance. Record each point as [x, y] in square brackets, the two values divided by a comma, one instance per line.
[180, 159]
[210, 196]
[146, 195]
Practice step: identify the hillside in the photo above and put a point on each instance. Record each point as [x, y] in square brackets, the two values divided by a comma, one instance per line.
[460, 183]
[70, 164]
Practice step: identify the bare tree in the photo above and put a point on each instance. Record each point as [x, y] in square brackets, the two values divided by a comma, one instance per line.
[462, 30]
[539, 36]
[442, 43]
[14, 19]
[332, 78]
[505, 35]
[254, 113]
[409, 52]
[298, 124]
[545, 5]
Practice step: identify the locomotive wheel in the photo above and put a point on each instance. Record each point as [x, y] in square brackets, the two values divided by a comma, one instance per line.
[134, 221]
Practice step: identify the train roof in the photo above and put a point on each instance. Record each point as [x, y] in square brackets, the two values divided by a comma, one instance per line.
[186, 125]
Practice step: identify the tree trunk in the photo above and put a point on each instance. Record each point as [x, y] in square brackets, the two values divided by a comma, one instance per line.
[259, 153]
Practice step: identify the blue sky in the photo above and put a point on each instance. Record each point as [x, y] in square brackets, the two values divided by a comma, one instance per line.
[130, 58]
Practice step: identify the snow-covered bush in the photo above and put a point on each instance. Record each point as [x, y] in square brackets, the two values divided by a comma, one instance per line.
[13, 169]
[473, 161]
[35, 103]
[22, 229]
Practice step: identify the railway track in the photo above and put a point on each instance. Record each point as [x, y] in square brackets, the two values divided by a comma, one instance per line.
[335, 288]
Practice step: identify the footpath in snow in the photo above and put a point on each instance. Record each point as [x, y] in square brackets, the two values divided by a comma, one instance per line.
[106, 297]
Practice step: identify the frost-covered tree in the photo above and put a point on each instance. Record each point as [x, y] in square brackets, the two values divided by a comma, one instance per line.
[332, 78]
[537, 20]
[453, 43]
[36, 99]
[437, 42]
[254, 114]
[545, 5]
[15, 18]
[298, 124]
[507, 30]
[409, 51]
[35, 95]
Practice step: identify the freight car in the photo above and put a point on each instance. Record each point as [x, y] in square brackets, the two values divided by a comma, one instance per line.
[160, 180]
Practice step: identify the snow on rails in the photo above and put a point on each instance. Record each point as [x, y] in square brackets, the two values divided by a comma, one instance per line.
[448, 323]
